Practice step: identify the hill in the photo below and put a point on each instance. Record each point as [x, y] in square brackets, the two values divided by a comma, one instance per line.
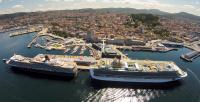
[181, 15]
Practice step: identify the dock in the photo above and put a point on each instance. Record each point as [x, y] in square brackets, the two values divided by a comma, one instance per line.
[33, 41]
[94, 52]
[26, 31]
[40, 35]
[39, 46]
[20, 33]
[190, 56]
[120, 53]
[145, 48]
[173, 44]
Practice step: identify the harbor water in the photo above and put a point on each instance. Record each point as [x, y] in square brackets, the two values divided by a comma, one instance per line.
[26, 87]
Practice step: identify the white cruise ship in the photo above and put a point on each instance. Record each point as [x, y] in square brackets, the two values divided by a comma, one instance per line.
[139, 71]
[45, 64]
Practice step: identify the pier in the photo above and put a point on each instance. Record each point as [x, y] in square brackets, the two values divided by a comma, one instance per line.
[94, 52]
[193, 54]
[20, 33]
[40, 35]
[190, 56]
[120, 53]
[39, 46]
[145, 48]
[26, 31]
[173, 44]
[33, 41]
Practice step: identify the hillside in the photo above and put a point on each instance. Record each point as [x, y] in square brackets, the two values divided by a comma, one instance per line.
[181, 15]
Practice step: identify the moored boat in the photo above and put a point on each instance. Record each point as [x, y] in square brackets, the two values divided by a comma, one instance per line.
[45, 64]
[138, 71]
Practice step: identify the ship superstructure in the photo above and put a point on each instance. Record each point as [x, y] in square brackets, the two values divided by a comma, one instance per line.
[46, 64]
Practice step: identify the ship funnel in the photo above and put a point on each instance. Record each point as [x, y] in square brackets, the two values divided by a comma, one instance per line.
[46, 58]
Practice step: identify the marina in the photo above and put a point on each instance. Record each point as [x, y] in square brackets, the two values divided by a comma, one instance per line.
[83, 48]
[25, 31]
[74, 49]
[67, 50]
[100, 51]
[26, 83]
[110, 57]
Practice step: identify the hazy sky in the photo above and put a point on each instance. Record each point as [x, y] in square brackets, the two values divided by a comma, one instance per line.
[10, 6]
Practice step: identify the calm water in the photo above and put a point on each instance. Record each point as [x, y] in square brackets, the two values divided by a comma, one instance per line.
[20, 87]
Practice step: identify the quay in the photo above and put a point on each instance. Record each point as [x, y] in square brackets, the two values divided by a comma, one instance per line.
[193, 54]
[33, 41]
[40, 35]
[30, 30]
[12, 29]
[173, 44]
[20, 33]
[145, 48]
[190, 56]
[110, 51]
[94, 52]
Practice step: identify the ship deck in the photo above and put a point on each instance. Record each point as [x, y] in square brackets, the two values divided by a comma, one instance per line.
[87, 62]
[145, 65]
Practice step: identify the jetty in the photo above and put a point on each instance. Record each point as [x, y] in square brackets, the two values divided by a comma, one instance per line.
[83, 48]
[173, 44]
[94, 52]
[13, 29]
[40, 34]
[39, 46]
[26, 31]
[145, 48]
[66, 50]
[190, 56]
[20, 33]
[33, 41]
[75, 49]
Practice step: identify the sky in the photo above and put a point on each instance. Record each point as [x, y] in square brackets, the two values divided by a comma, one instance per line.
[172, 6]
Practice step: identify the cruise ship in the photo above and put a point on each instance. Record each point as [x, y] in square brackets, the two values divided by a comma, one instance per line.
[45, 64]
[137, 71]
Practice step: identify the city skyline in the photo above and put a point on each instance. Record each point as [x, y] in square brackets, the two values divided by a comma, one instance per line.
[171, 6]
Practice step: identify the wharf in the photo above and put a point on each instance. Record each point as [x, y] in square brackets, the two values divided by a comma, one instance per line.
[120, 53]
[33, 41]
[23, 32]
[145, 48]
[190, 56]
[20, 33]
[173, 44]
[40, 35]
[94, 52]
[12, 29]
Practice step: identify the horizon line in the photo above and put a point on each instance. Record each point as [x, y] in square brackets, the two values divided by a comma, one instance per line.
[95, 9]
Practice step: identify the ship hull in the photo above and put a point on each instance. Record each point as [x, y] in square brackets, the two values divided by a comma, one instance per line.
[69, 74]
[131, 80]
[56, 74]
